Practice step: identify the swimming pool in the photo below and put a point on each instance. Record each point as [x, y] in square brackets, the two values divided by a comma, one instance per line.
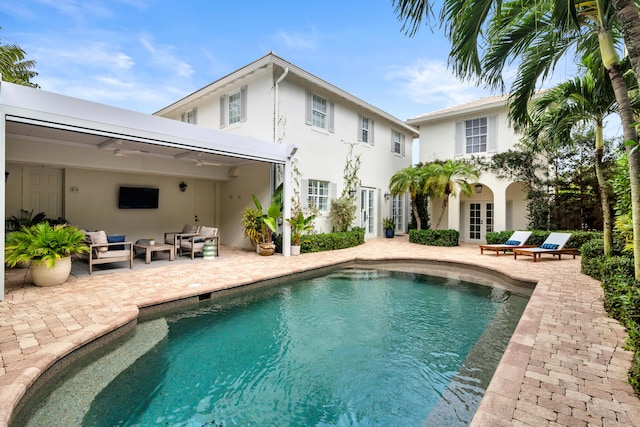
[355, 347]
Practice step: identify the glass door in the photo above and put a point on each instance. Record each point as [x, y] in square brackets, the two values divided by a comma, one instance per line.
[479, 221]
[367, 216]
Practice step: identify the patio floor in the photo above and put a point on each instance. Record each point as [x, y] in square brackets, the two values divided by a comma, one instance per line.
[565, 364]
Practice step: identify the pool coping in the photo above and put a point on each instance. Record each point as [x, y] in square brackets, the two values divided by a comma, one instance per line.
[523, 389]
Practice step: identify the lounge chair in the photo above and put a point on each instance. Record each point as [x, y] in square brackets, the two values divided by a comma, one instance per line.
[101, 251]
[554, 245]
[173, 237]
[195, 244]
[517, 240]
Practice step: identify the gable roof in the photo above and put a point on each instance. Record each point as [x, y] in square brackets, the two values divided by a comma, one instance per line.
[481, 104]
[272, 59]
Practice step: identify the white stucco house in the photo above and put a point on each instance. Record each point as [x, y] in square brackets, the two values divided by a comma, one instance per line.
[272, 99]
[478, 128]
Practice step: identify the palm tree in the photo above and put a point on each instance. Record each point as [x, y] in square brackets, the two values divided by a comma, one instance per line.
[448, 178]
[409, 180]
[487, 36]
[583, 99]
[14, 68]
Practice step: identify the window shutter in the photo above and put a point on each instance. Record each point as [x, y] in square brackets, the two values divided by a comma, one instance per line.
[492, 134]
[333, 190]
[359, 128]
[223, 107]
[460, 138]
[402, 144]
[304, 194]
[371, 128]
[183, 117]
[307, 109]
[243, 104]
[393, 143]
[194, 113]
[331, 109]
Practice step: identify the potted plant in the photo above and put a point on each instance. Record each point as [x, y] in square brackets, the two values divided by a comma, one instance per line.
[251, 225]
[268, 226]
[47, 248]
[389, 226]
[299, 225]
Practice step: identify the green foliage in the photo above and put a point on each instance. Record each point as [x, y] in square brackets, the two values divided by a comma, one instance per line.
[269, 220]
[251, 224]
[388, 223]
[578, 237]
[622, 185]
[43, 244]
[497, 237]
[14, 68]
[624, 226]
[342, 213]
[25, 218]
[331, 241]
[434, 237]
[299, 225]
[351, 169]
[591, 258]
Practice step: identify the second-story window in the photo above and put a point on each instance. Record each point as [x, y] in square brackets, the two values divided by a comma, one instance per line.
[397, 142]
[233, 107]
[190, 116]
[365, 129]
[476, 135]
[319, 111]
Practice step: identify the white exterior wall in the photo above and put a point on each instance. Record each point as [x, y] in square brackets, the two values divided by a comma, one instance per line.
[438, 142]
[321, 154]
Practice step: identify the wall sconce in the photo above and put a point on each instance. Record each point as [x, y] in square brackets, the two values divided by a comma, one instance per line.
[387, 196]
[183, 186]
[478, 187]
[352, 193]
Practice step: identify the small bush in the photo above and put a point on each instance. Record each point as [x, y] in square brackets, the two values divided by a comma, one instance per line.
[592, 258]
[434, 237]
[498, 237]
[331, 241]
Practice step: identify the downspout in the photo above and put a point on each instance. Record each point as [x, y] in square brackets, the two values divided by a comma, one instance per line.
[275, 103]
[286, 190]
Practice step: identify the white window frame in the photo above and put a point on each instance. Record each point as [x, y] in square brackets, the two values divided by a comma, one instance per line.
[318, 194]
[233, 107]
[365, 130]
[397, 211]
[190, 116]
[397, 142]
[319, 111]
[478, 135]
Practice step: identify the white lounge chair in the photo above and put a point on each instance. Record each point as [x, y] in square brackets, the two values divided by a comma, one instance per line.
[554, 245]
[517, 240]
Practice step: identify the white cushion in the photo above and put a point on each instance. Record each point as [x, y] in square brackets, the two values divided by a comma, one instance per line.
[99, 238]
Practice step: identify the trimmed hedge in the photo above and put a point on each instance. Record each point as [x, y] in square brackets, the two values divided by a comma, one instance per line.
[331, 241]
[592, 257]
[435, 237]
[578, 237]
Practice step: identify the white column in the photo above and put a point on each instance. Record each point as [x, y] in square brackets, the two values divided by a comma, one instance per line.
[500, 208]
[453, 213]
[3, 132]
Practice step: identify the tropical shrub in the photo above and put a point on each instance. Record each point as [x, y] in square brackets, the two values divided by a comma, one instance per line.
[331, 241]
[435, 237]
[592, 257]
[342, 213]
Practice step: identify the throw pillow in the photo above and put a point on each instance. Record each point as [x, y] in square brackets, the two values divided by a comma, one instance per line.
[189, 229]
[549, 246]
[208, 231]
[116, 238]
[99, 238]
[512, 242]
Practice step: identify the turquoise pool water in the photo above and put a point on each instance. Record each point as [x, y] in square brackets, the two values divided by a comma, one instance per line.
[353, 348]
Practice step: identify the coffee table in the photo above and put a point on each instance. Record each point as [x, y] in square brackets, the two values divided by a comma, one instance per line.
[158, 247]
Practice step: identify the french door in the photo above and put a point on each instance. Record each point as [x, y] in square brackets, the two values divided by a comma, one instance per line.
[479, 220]
[367, 211]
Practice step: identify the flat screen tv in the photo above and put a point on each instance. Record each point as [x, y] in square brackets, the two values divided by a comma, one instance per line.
[138, 198]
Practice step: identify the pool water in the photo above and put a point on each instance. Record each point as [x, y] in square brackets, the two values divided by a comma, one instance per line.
[352, 348]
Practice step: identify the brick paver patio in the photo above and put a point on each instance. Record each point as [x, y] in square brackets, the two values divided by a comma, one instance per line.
[564, 366]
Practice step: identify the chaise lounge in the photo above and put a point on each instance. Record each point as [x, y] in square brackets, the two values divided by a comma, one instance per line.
[553, 245]
[517, 240]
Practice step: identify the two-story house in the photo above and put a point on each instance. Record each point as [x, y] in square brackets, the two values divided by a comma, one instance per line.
[272, 99]
[479, 128]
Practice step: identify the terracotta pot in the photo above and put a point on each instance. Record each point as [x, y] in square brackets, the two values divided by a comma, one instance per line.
[266, 249]
[43, 276]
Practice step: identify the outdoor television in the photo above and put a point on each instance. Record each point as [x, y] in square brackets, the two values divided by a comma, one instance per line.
[138, 198]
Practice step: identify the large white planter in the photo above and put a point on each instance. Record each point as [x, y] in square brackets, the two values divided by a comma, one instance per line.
[43, 276]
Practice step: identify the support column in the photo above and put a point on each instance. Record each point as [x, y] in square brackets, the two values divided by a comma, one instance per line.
[500, 208]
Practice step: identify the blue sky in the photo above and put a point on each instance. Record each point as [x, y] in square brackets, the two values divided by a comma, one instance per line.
[144, 54]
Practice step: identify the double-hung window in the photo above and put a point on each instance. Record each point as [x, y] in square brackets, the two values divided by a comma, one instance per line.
[477, 135]
[318, 111]
[365, 129]
[189, 116]
[397, 142]
[233, 107]
[318, 194]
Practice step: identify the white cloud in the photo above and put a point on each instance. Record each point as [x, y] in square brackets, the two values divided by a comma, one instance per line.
[298, 41]
[163, 56]
[430, 82]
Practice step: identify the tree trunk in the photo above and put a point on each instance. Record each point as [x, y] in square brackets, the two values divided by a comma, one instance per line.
[414, 208]
[630, 134]
[607, 221]
[629, 20]
[445, 200]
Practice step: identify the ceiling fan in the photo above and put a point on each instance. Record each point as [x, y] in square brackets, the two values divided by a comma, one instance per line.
[199, 162]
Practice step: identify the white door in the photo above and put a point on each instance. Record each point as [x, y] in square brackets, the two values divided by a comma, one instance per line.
[367, 216]
[479, 221]
[205, 203]
[42, 191]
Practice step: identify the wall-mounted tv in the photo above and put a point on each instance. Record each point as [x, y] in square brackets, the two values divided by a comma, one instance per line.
[138, 198]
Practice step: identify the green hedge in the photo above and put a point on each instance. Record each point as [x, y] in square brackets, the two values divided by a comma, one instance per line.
[592, 257]
[331, 241]
[578, 237]
[434, 237]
